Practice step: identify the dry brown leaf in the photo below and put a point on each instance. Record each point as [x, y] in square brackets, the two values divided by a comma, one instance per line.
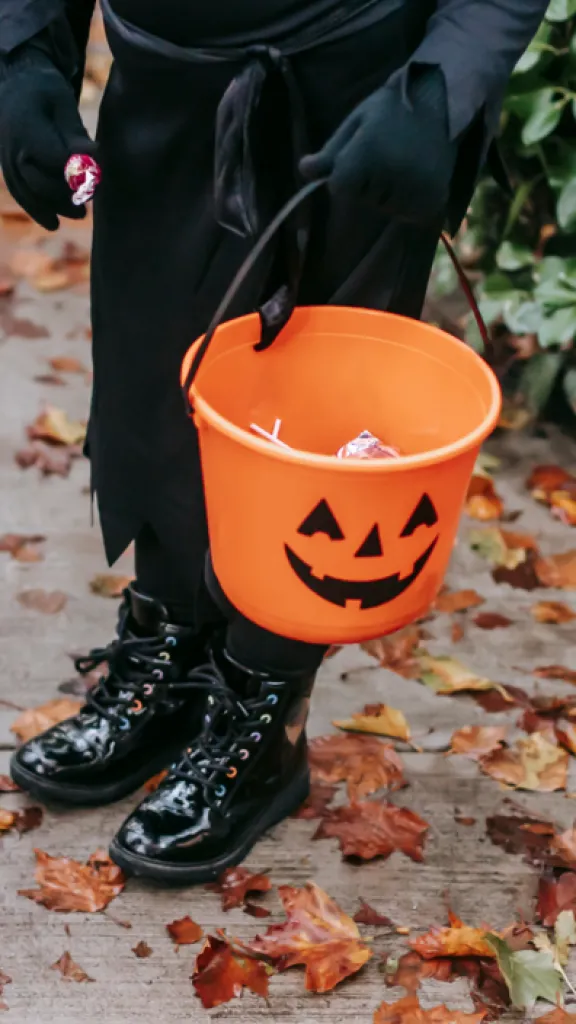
[396, 652]
[447, 675]
[374, 829]
[70, 970]
[321, 795]
[557, 570]
[553, 612]
[554, 896]
[21, 821]
[567, 675]
[378, 719]
[7, 785]
[36, 720]
[532, 763]
[492, 620]
[409, 1011]
[107, 584]
[457, 601]
[7, 819]
[48, 460]
[49, 602]
[318, 934]
[53, 426]
[458, 939]
[488, 986]
[482, 501]
[235, 884]
[457, 632]
[517, 833]
[67, 885]
[564, 846]
[184, 931]
[142, 950]
[544, 480]
[221, 973]
[67, 364]
[364, 762]
[367, 915]
[476, 740]
[23, 547]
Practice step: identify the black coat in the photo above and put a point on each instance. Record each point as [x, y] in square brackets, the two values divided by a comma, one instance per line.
[162, 260]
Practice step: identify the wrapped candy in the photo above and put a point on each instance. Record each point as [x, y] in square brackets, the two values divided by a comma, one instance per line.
[82, 174]
[367, 446]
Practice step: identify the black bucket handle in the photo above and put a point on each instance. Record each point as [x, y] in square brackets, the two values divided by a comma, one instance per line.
[256, 252]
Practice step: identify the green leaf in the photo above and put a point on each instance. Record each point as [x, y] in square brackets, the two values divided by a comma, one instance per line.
[529, 974]
[545, 115]
[559, 328]
[566, 208]
[497, 286]
[525, 319]
[569, 385]
[472, 335]
[538, 379]
[561, 10]
[511, 256]
[527, 61]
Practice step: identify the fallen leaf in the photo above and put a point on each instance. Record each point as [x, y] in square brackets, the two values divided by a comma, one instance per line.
[28, 263]
[318, 934]
[374, 829]
[544, 480]
[396, 652]
[321, 795]
[447, 675]
[565, 733]
[367, 915]
[553, 612]
[521, 834]
[558, 1016]
[254, 910]
[482, 501]
[185, 931]
[49, 602]
[4, 980]
[505, 698]
[409, 1011]
[220, 974]
[142, 950]
[235, 884]
[554, 896]
[378, 719]
[364, 762]
[563, 505]
[67, 885]
[7, 819]
[36, 720]
[492, 620]
[110, 585]
[28, 819]
[457, 632]
[70, 970]
[53, 426]
[458, 939]
[557, 570]
[7, 785]
[49, 461]
[564, 936]
[50, 378]
[476, 740]
[502, 548]
[457, 601]
[152, 785]
[488, 988]
[564, 847]
[532, 763]
[567, 675]
[23, 547]
[462, 819]
[529, 974]
[67, 364]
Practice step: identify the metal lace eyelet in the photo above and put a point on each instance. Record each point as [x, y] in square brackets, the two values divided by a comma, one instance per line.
[158, 673]
[272, 698]
[210, 700]
[123, 724]
[266, 718]
[221, 791]
[256, 736]
[171, 641]
[164, 656]
[207, 719]
[147, 689]
[137, 705]
[243, 755]
[232, 773]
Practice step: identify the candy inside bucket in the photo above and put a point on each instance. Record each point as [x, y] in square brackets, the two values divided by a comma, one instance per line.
[364, 446]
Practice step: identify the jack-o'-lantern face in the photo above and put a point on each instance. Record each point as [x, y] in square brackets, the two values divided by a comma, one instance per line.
[370, 593]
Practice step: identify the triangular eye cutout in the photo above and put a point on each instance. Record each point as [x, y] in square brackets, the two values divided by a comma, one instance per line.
[423, 515]
[321, 520]
[371, 547]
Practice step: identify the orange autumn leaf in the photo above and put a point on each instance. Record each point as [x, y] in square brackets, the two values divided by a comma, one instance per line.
[567, 675]
[563, 506]
[70, 970]
[321, 795]
[558, 1016]
[54, 426]
[364, 762]
[67, 364]
[184, 931]
[7, 819]
[109, 584]
[458, 939]
[379, 720]
[21, 821]
[409, 1011]
[531, 763]
[67, 885]
[23, 547]
[564, 845]
[554, 896]
[544, 480]
[476, 740]
[220, 974]
[492, 620]
[142, 950]
[457, 601]
[235, 884]
[396, 652]
[36, 720]
[565, 732]
[553, 612]
[482, 501]
[374, 829]
[317, 934]
[49, 602]
[557, 570]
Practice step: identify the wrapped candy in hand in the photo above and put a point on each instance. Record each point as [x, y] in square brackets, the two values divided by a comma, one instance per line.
[367, 446]
[82, 174]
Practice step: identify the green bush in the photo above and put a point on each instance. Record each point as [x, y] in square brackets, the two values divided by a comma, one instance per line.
[522, 252]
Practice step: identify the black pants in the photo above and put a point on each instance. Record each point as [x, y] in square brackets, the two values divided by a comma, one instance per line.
[161, 263]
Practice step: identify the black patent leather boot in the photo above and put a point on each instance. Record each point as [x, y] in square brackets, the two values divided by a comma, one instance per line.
[246, 771]
[135, 720]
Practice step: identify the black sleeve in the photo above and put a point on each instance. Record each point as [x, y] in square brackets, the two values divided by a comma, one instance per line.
[477, 43]
[20, 20]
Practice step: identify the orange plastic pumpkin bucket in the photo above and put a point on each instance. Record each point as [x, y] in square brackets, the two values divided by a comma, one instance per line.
[310, 546]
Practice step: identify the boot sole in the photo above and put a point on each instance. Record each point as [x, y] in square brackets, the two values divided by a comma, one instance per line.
[194, 874]
[48, 790]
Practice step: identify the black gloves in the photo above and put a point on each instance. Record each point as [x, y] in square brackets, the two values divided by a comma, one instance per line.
[40, 128]
[394, 152]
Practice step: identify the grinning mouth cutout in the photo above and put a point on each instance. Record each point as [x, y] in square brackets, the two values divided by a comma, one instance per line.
[370, 593]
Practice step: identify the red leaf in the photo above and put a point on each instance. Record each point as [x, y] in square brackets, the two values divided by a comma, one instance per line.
[220, 974]
[375, 829]
[567, 675]
[554, 896]
[185, 931]
[321, 795]
[409, 1011]
[492, 620]
[142, 950]
[235, 884]
[364, 762]
[367, 915]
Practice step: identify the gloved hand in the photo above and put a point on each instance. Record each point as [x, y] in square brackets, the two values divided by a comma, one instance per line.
[395, 154]
[40, 128]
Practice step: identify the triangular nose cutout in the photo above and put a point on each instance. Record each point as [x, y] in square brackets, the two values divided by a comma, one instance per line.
[371, 547]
